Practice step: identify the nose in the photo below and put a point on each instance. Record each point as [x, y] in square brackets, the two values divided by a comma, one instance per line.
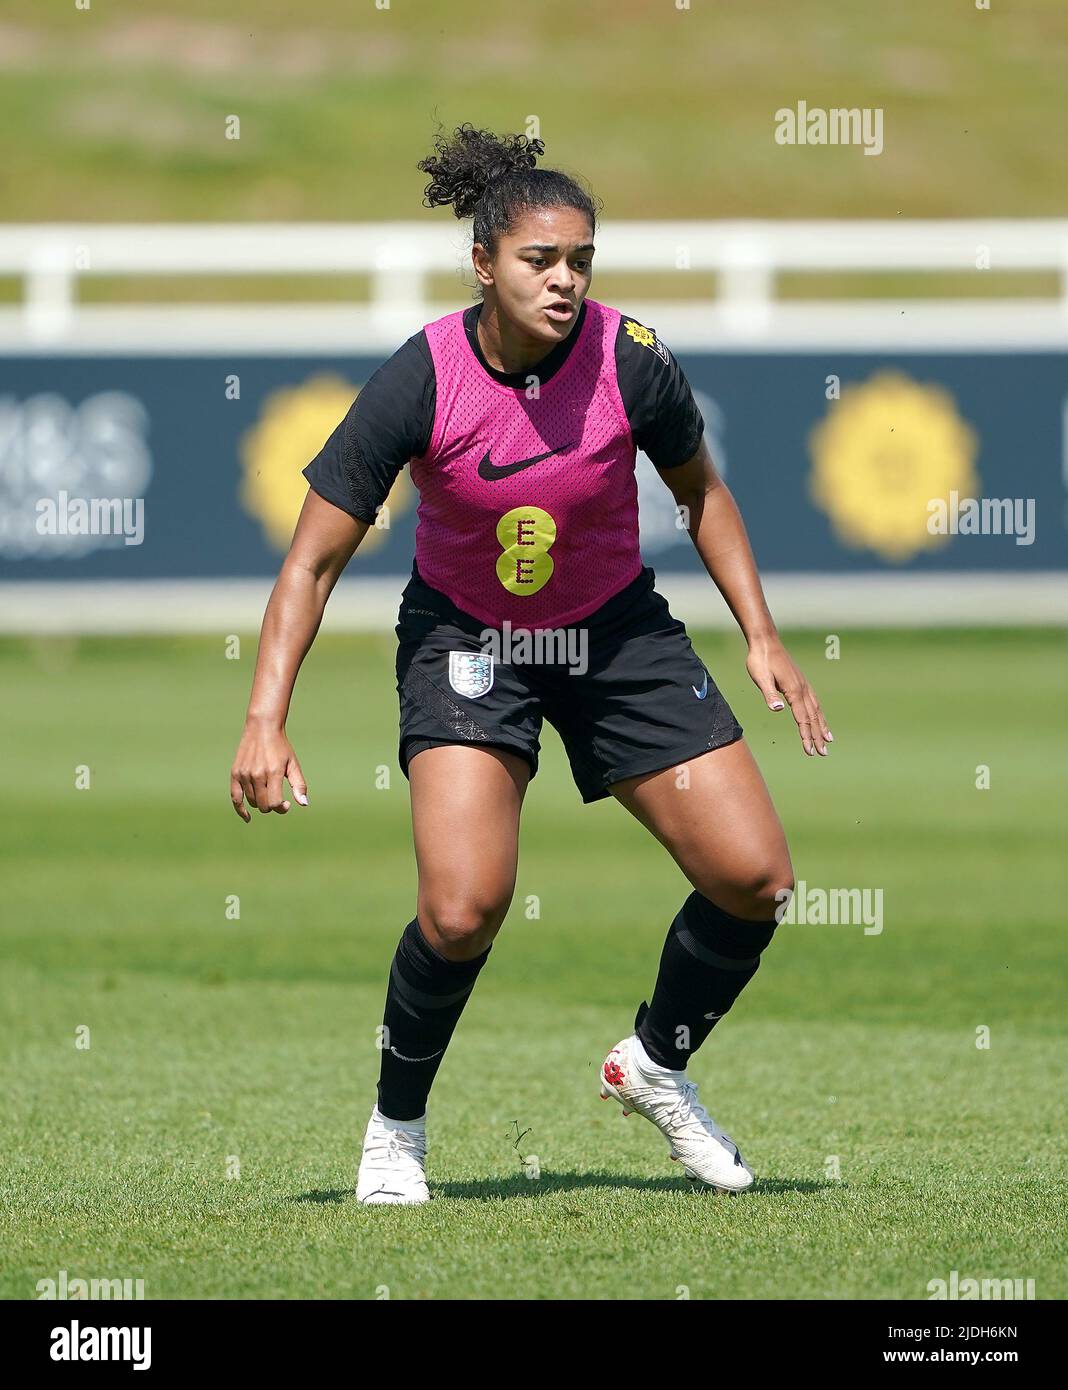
[562, 279]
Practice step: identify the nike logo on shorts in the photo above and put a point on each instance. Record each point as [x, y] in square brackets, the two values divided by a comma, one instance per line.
[701, 695]
[491, 471]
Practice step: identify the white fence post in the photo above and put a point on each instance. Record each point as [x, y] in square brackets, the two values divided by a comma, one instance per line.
[49, 288]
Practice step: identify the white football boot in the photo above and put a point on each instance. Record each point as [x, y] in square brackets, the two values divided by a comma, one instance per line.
[393, 1162]
[670, 1101]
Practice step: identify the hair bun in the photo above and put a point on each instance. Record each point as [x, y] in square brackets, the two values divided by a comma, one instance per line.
[468, 162]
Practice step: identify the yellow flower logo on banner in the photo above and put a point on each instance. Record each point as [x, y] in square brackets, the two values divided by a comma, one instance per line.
[293, 425]
[883, 451]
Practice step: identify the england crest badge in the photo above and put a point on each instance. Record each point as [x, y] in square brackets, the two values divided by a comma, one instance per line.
[470, 673]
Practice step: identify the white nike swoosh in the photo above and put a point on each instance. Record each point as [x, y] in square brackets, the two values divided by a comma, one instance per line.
[416, 1059]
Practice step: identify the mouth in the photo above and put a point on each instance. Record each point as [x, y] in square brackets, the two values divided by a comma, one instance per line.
[561, 311]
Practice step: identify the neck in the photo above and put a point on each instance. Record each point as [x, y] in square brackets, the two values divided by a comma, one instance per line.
[504, 347]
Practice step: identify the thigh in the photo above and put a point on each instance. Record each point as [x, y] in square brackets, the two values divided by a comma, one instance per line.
[715, 816]
[466, 803]
[645, 702]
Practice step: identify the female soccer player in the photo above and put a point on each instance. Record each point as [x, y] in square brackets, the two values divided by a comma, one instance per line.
[521, 416]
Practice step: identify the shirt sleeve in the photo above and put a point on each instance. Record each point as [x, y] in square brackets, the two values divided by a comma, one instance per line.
[664, 418]
[388, 423]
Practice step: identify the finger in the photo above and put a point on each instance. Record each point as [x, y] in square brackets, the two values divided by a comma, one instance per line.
[818, 736]
[767, 687]
[249, 788]
[295, 778]
[237, 798]
[821, 722]
[275, 801]
[261, 799]
[799, 709]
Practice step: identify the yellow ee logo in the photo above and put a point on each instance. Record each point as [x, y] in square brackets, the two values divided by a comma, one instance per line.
[524, 565]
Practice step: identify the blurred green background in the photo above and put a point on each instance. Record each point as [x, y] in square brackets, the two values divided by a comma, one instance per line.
[118, 113]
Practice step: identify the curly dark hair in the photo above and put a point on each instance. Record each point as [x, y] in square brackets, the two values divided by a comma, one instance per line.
[493, 179]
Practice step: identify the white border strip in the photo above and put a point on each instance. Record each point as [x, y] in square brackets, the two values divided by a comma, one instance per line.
[825, 602]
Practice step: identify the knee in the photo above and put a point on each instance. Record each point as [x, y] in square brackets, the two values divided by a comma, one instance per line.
[461, 926]
[757, 891]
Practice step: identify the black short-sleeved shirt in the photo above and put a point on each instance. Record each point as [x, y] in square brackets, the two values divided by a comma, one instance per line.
[391, 420]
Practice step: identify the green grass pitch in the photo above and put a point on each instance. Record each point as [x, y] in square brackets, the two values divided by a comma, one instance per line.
[207, 1140]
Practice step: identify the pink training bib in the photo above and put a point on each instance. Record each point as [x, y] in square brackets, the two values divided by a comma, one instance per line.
[528, 509]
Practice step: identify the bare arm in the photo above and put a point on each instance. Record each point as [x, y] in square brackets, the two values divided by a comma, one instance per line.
[323, 543]
[718, 533]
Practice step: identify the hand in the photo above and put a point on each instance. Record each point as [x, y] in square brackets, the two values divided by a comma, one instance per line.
[264, 757]
[772, 671]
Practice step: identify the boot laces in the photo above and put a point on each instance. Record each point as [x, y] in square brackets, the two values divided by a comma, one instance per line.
[397, 1145]
[683, 1113]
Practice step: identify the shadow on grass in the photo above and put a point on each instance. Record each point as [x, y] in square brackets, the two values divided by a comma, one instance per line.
[503, 1189]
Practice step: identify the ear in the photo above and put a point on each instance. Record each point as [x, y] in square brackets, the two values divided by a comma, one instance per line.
[480, 259]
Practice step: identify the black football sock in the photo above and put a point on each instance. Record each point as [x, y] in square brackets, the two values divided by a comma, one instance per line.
[708, 959]
[424, 1001]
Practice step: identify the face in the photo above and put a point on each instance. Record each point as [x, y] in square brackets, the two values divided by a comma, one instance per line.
[541, 272]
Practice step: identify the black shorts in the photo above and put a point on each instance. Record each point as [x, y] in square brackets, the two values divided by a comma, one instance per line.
[643, 702]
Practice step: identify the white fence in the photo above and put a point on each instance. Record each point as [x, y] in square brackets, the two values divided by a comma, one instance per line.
[400, 257]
